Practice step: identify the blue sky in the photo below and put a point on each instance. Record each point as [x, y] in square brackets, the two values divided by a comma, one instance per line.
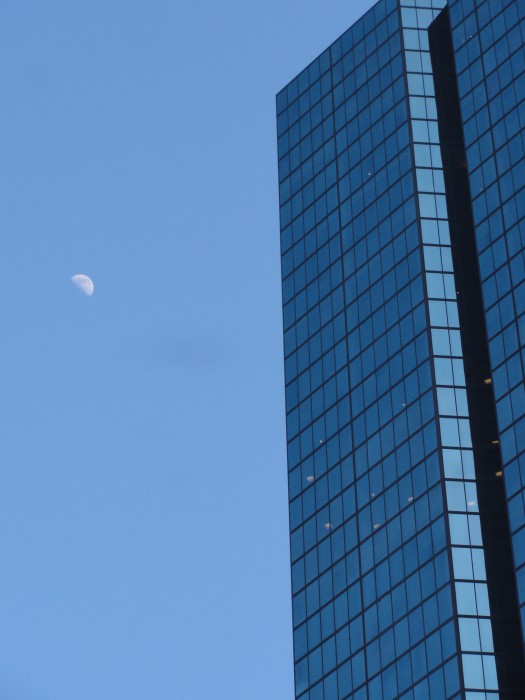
[143, 497]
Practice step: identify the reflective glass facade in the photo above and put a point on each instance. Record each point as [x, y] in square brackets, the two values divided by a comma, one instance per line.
[489, 41]
[400, 544]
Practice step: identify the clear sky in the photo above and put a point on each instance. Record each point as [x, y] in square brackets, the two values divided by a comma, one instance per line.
[143, 496]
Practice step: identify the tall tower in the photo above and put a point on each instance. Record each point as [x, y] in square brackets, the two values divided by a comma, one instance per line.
[402, 201]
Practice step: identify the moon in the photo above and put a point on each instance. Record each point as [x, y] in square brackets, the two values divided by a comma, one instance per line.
[84, 283]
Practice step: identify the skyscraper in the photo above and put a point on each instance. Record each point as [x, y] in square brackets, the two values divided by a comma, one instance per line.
[402, 202]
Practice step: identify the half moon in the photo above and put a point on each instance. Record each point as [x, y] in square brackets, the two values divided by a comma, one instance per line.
[84, 283]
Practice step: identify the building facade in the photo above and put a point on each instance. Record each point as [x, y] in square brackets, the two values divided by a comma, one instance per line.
[402, 202]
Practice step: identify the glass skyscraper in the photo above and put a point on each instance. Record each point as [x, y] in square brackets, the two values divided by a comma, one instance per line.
[402, 203]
